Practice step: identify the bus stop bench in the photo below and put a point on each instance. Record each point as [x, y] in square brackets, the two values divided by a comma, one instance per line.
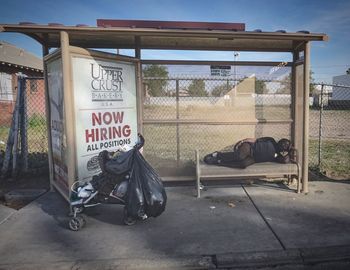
[264, 169]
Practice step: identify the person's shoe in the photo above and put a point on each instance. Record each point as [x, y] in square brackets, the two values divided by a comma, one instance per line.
[211, 158]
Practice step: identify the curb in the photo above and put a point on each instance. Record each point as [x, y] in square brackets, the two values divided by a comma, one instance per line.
[275, 258]
[251, 260]
[193, 263]
[325, 254]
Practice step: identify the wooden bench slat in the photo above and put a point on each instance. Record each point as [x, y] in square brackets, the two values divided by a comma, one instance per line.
[265, 169]
[257, 169]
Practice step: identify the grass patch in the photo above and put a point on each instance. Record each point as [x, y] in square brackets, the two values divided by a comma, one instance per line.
[335, 158]
[36, 135]
[162, 143]
[37, 121]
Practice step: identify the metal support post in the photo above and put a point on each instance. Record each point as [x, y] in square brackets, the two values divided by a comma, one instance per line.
[320, 129]
[177, 125]
[305, 172]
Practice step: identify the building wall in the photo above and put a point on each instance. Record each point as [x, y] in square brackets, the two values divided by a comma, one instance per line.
[341, 93]
[35, 99]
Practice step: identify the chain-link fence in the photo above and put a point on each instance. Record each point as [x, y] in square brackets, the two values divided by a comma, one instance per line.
[208, 113]
[23, 132]
[330, 130]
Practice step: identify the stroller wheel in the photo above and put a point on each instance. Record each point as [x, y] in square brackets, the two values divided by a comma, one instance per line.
[82, 220]
[76, 223]
[127, 219]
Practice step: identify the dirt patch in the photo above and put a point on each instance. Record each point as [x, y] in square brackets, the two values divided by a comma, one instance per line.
[23, 183]
[317, 176]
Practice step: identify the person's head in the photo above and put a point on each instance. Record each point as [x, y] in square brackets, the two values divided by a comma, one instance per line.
[284, 146]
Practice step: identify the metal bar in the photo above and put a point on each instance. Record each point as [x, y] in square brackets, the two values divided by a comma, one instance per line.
[108, 44]
[177, 125]
[227, 63]
[138, 47]
[69, 116]
[139, 85]
[293, 96]
[45, 47]
[210, 122]
[139, 97]
[206, 79]
[21, 81]
[23, 129]
[198, 176]
[320, 130]
[327, 84]
[45, 51]
[305, 165]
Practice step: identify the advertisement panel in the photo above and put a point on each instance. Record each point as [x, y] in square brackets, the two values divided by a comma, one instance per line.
[57, 120]
[105, 109]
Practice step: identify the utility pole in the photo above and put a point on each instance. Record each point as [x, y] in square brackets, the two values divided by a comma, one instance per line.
[235, 55]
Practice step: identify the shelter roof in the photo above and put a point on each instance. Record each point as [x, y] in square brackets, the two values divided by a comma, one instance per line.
[132, 34]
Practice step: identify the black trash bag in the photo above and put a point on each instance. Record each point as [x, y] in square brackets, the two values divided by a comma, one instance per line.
[153, 189]
[146, 192]
[135, 204]
[120, 163]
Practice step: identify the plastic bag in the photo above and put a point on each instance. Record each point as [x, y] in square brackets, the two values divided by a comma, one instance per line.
[121, 163]
[146, 192]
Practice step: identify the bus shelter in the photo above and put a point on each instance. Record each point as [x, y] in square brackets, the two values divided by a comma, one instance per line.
[176, 120]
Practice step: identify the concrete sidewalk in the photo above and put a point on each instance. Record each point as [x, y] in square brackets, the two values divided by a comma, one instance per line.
[261, 225]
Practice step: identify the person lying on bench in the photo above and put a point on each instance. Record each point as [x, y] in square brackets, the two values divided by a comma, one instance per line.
[249, 151]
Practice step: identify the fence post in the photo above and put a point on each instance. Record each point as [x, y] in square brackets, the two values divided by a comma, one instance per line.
[10, 139]
[177, 125]
[23, 127]
[17, 124]
[320, 129]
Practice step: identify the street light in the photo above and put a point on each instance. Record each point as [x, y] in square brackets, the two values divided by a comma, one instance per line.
[235, 55]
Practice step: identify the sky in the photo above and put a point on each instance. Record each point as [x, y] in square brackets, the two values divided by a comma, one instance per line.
[328, 59]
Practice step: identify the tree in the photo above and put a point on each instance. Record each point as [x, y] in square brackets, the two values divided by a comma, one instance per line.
[286, 85]
[156, 86]
[221, 89]
[312, 83]
[260, 87]
[197, 88]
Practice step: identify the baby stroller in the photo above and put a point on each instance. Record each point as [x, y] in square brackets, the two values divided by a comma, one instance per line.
[126, 179]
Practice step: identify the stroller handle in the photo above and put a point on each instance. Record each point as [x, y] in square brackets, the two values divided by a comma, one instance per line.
[140, 142]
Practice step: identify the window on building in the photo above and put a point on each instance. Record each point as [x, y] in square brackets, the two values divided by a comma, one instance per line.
[33, 86]
[6, 93]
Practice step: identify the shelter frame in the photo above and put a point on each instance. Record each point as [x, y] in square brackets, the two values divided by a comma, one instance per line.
[60, 36]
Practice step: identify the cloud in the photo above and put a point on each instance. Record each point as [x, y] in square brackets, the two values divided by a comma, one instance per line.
[336, 20]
